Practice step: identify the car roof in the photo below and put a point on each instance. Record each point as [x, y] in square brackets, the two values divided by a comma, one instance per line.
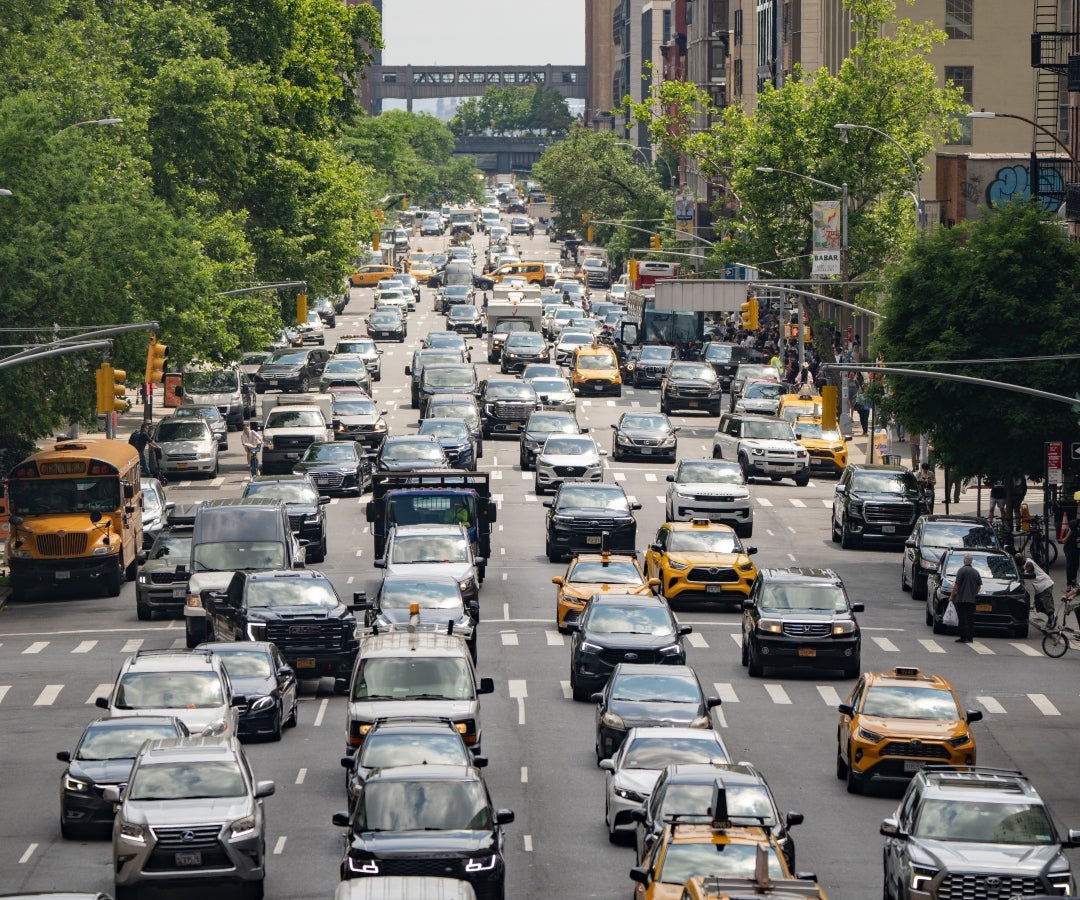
[170, 661]
[905, 676]
[188, 749]
[131, 721]
[429, 528]
[958, 518]
[423, 643]
[800, 573]
[292, 574]
[979, 780]
[441, 772]
[699, 525]
[875, 467]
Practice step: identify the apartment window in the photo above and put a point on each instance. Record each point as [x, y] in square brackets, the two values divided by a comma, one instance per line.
[666, 26]
[736, 77]
[738, 27]
[959, 16]
[963, 78]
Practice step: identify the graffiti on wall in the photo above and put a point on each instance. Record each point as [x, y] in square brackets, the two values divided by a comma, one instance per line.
[1014, 183]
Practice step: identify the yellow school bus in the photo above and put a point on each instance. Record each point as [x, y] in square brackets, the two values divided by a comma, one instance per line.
[75, 511]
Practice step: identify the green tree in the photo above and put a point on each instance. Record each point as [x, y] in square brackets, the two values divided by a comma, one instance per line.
[1003, 286]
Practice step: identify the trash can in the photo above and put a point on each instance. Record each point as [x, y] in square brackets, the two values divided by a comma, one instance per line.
[892, 459]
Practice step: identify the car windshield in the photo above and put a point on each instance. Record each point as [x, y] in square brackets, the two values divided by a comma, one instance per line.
[706, 472]
[871, 482]
[429, 548]
[692, 370]
[299, 491]
[233, 556]
[646, 422]
[385, 317]
[704, 541]
[187, 781]
[457, 290]
[988, 566]
[295, 418]
[611, 619]
[385, 751]
[597, 361]
[718, 352]
[525, 341]
[437, 339]
[288, 358]
[253, 359]
[569, 445]
[550, 385]
[445, 428]
[614, 571]
[30, 497]
[463, 312]
[903, 701]
[173, 547]
[402, 450]
[121, 738]
[763, 390]
[465, 411]
[412, 677]
[827, 597]
[188, 430]
[970, 535]
[983, 822]
[593, 496]
[766, 430]
[683, 861]
[170, 690]
[445, 376]
[350, 366]
[423, 806]
[642, 688]
[290, 592]
[765, 372]
[357, 345]
[242, 663]
[657, 752]
[331, 452]
[510, 390]
[430, 593]
[575, 338]
[816, 431]
[657, 354]
[749, 800]
[220, 381]
[206, 412]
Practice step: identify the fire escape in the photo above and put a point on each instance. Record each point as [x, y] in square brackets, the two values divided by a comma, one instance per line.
[1053, 59]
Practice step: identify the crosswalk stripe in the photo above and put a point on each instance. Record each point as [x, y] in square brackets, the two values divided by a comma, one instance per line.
[509, 638]
[102, 690]
[4, 688]
[660, 498]
[886, 645]
[555, 639]
[777, 694]
[697, 640]
[931, 646]
[566, 692]
[526, 476]
[764, 501]
[981, 649]
[725, 691]
[990, 704]
[796, 502]
[1026, 649]
[828, 694]
[36, 647]
[826, 503]
[498, 498]
[619, 476]
[132, 646]
[530, 498]
[495, 473]
[179, 644]
[737, 638]
[1043, 704]
[48, 695]
[649, 476]
[85, 647]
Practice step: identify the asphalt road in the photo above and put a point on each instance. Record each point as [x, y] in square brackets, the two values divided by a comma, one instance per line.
[57, 656]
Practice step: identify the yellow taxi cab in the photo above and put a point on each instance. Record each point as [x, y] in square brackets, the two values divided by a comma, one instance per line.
[371, 274]
[421, 268]
[894, 723]
[716, 845]
[701, 560]
[594, 573]
[793, 407]
[718, 887]
[595, 370]
[826, 446]
[532, 272]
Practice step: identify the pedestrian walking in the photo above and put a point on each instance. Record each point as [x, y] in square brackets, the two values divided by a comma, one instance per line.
[997, 500]
[963, 596]
[1067, 536]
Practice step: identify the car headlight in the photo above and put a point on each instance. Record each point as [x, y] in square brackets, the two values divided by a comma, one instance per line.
[364, 867]
[757, 451]
[847, 626]
[927, 564]
[482, 863]
[143, 579]
[770, 626]
[921, 876]
[670, 650]
[612, 721]
[668, 441]
[678, 566]
[590, 646]
[268, 443]
[18, 553]
[838, 448]
[1061, 881]
[261, 703]
[256, 631]
[311, 520]
[747, 566]
[801, 454]
[856, 507]
[631, 795]
[960, 740]
[105, 550]
[872, 736]
[242, 826]
[380, 426]
[76, 785]
[133, 832]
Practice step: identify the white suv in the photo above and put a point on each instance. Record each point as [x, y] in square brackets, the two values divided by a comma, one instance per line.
[713, 489]
[763, 446]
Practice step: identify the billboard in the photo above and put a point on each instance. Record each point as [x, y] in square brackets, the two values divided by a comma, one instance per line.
[827, 238]
[685, 208]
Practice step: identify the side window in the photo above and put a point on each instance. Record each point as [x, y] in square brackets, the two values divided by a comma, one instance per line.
[857, 695]
[662, 539]
[910, 804]
[735, 428]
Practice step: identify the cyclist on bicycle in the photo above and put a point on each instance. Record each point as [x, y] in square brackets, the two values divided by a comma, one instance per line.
[1041, 583]
[252, 443]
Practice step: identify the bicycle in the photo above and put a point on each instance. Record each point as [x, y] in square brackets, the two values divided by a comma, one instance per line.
[253, 461]
[1058, 636]
[1035, 543]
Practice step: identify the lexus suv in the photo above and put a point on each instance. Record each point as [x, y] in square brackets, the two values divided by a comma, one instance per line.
[875, 503]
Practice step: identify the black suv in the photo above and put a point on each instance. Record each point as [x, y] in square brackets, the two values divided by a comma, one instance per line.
[726, 358]
[162, 584]
[297, 610]
[505, 406]
[645, 366]
[800, 617]
[690, 385]
[447, 379]
[426, 356]
[291, 369]
[875, 503]
[425, 819]
[521, 349]
[307, 517]
[586, 518]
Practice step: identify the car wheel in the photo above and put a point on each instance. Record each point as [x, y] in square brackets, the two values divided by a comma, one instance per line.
[754, 668]
[835, 532]
[279, 715]
[552, 553]
[580, 694]
[745, 654]
[841, 766]
[537, 488]
[144, 612]
[305, 385]
[132, 570]
[920, 587]
[523, 462]
[194, 634]
[802, 480]
[744, 464]
[904, 584]
[745, 531]
[113, 579]
[126, 892]
[936, 623]
[847, 539]
[852, 669]
[615, 457]
[294, 716]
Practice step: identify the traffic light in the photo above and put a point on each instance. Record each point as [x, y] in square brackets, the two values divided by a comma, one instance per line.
[301, 309]
[631, 271]
[375, 241]
[111, 391]
[654, 241]
[749, 311]
[589, 234]
[155, 361]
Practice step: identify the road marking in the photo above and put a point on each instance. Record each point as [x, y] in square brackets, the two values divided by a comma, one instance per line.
[828, 694]
[660, 498]
[333, 501]
[791, 556]
[524, 774]
[885, 644]
[725, 691]
[518, 691]
[48, 695]
[350, 579]
[527, 839]
[217, 482]
[981, 649]
[506, 612]
[530, 498]
[769, 533]
[27, 854]
[509, 638]
[322, 712]
[931, 646]
[619, 476]
[279, 845]
[502, 551]
[36, 647]
[737, 638]
[610, 402]
[795, 501]
[4, 688]
[525, 476]
[764, 501]
[300, 776]
[566, 690]
[132, 646]
[1043, 704]
[697, 640]
[649, 476]
[792, 530]
[826, 503]
[359, 553]
[495, 473]
[778, 695]
[554, 639]
[102, 690]
[990, 705]
[85, 647]
[1026, 649]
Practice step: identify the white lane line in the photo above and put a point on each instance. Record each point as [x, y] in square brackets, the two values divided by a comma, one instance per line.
[885, 644]
[554, 639]
[530, 498]
[826, 503]
[85, 647]
[102, 690]
[567, 693]
[725, 691]
[764, 501]
[1026, 649]
[791, 556]
[660, 498]
[132, 646]
[498, 498]
[48, 695]
[777, 694]
[502, 551]
[697, 640]
[506, 612]
[981, 649]
[495, 473]
[828, 694]
[217, 482]
[1043, 704]
[333, 501]
[300, 776]
[505, 575]
[359, 553]
[526, 476]
[4, 688]
[179, 644]
[795, 501]
[524, 774]
[769, 532]
[279, 845]
[792, 530]
[931, 646]
[509, 638]
[737, 638]
[350, 579]
[27, 854]
[527, 839]
[991, 705]
[36, 647]
[649, 476]
[619, 476]
[322, 712]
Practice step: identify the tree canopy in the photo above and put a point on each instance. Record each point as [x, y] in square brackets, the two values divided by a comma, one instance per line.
[505, 109]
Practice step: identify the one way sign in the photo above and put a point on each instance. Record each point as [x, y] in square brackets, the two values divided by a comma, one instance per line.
[1076, 451]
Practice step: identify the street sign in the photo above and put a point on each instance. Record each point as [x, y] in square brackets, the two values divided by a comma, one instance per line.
[1053, 462]
[1076, 451]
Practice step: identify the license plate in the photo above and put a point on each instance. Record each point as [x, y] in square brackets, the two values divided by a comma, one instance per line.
[181, 465]
[913, 765]
[62, 576]
[693, 402]
[305, 663]
[888, 529]
[592, 539]
[193, 858]
[713, 589]
[645, 451]
[984, 607]
[807, 651]
[292, 455]
[598, 387]
[272, 382]
[179, 593]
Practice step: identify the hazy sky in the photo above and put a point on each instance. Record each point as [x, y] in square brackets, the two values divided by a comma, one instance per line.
[483, 32]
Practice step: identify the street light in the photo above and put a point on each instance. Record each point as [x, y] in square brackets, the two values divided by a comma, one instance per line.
[845, 127]
[96, 122]
[4, 192]
[983, 114]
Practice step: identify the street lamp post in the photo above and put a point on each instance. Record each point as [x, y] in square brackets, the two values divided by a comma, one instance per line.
[4, 192]
[845, 127]
[983, 114]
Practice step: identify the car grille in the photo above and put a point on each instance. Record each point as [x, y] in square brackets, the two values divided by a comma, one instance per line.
[917, 749]
[614, 657]
[165, 578]
[820, 454]
[713, 575]
[569, 471]
[297, 635]
[713, 498]
[331, 480]
[197, 838]
[644, 442]
[292, 441]
[807, 629]
[277, 371]
[61, 544]
[889, 512]
[690, 391]
[653, 371]
[181, 457]
[514, 412]
[975, 886]
[433, 867]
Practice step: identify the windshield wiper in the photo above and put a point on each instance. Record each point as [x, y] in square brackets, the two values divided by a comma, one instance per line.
[376, 697]
[431, 697]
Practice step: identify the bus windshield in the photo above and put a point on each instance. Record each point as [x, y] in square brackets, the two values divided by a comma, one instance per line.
[64, 495]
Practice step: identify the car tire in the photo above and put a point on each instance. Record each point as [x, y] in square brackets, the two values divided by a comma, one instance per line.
[253, 890]
[143, 612]
[936, 624]
[113, 579]
[855, 781]
[745, 655]
[841, 766]
[744, 464]
[305, 385]
[745, 531]
[580, 694]
[905, 585]
[853, 669]
[835, 532]
[132, 570]
[802, 480]
[847, 539]
[523, 462]
[920, 587]
[126, 892]
[615, 457]
[552, 554]
[538, 489]
[194, 634]
[754, 667]
[294, 716]
[275, 735]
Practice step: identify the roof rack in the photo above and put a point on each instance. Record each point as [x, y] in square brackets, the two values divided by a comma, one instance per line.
[977, 776]
[169, 651]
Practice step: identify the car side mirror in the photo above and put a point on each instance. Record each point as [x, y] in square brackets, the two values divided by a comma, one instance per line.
[686, 629]
[323, 500]
[640, 874]
[379, 563]
[480, 762]
[858, 607]
[1073, 839]
[670, 477]
[846, 709]
[635, 506]
[487, 686]
[141, 556]
[598, 697]
[614, 426]
[548, 504]
[750, 551]
[572, 628]
[360, 597]
[102, 703]
[974, 715]
[748, 605]
[284, 671]
[712, 702]
[841, 489]
[239, 700]
[504, 816]
[891, 828]
[558, 579]
[64, 756]
[792, 819]
[264, 789]
[910, 543]
[408, 370]
[110, 793]
[608, 765]
[341, 819]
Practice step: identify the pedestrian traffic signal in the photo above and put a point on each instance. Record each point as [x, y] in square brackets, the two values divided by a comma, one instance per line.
[155, 361]
[301, 309]
[111, 390]
[749, 311]
[654, 242]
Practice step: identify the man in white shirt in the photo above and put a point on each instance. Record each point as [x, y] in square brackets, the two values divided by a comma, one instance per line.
[1041, 583]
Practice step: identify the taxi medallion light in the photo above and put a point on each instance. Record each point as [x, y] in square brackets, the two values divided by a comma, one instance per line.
[906, 672]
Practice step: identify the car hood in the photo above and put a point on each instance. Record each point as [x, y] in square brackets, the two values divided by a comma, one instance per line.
[313, 467]
[641, 434]
[654, 712]
[1010, 859]
[913, 729]
[252, 686]
[184, 812]
[712, 488]
[219, 398]
[185, 446]
[770, 443]
[565, 459]
[424, 843]
[990, 586]
[641, 781]
[757, 403]
[102, 771]
[630, 642]
[357, 420]
[370, 710]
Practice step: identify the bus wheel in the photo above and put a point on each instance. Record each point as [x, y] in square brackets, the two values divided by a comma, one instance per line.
[113, 579]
